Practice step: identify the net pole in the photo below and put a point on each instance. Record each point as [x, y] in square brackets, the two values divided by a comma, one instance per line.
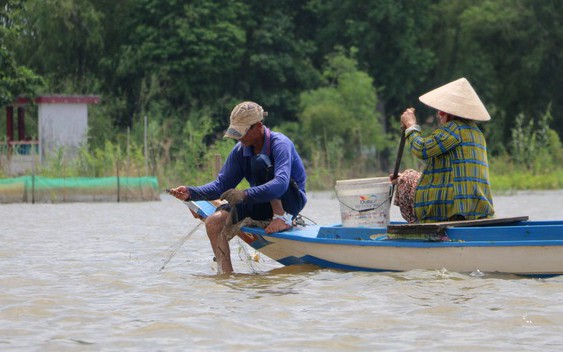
[117, 172]
[217, 164]
[146, 147]
[33, 174]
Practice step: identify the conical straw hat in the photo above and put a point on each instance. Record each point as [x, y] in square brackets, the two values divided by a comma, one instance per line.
[457, 98]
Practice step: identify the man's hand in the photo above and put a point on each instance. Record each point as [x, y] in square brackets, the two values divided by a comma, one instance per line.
[234, 196]
[181, 192]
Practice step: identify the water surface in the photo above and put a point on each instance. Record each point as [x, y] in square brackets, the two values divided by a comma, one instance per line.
[86, 277]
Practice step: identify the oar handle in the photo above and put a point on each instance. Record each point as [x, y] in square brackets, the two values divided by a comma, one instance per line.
[399, 155]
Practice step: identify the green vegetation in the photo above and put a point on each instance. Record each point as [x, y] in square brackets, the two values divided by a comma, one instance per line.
[334, 75]
[534, 160]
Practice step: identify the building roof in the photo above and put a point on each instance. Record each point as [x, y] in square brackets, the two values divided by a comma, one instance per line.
[60, 99]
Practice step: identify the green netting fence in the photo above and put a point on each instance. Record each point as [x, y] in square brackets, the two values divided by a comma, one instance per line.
[39, 189]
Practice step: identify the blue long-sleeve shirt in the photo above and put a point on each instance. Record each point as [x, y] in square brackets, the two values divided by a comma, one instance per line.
[287, 166]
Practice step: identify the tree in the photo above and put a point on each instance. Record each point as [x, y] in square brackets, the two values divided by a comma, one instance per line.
[62, 40]
[392, 40]
[343, 110]
[189, 51]
[509, 49]
[216, 53]
[277, 64]
[15, 79]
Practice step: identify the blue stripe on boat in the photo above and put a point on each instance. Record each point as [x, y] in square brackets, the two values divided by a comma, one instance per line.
[523, 234]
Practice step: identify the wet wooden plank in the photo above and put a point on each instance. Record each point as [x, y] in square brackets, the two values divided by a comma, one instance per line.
[438, 227]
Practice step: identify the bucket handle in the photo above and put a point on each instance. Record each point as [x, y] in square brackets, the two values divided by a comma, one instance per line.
[368, 209]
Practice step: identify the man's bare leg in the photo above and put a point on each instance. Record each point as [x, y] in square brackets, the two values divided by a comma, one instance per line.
[214, 225]
[277, 225]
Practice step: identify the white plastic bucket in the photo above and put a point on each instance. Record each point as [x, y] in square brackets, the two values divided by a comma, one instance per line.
[364, 202]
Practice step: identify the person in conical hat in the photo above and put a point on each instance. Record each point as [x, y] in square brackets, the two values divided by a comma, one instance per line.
[455, 182]
[274, 170]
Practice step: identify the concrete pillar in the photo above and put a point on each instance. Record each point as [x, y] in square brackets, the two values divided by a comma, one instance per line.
[21, 123]
[10, 123]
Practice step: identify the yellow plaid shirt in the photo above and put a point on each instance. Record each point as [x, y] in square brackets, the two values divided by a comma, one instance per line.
[456, 178]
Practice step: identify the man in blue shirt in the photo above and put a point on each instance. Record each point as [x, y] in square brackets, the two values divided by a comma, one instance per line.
[273, 168]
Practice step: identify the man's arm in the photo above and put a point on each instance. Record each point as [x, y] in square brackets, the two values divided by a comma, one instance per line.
[229, 177]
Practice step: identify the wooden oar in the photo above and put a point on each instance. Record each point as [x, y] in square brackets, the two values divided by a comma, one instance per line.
[398, 161]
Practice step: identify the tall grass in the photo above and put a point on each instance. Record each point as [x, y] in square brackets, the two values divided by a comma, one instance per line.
[533, 160]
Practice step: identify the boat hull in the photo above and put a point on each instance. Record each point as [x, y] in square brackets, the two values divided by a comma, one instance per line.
[522, 250]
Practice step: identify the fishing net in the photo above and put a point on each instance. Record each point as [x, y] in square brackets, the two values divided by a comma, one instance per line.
[78, 189]
[231, 230]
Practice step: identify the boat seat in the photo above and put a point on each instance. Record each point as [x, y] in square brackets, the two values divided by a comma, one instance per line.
[439, 228]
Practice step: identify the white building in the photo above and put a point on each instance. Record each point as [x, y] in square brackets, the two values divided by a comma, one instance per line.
[62, 124]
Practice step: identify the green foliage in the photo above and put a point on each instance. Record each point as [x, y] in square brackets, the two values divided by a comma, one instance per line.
[534, 145]
[342, 110]
[100, 124]
[62, 40]
[221, 148]
[508, 49]
[392, 38]
[535, 157]
[56, 165]
[523, 142]
[15, 79]
[333, 74]
[279, 60]
[108, 160]
[190, 51]
[193, 161]
[525, 180]
[101, 161]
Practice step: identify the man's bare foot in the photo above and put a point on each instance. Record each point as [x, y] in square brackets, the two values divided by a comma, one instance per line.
[277, 225]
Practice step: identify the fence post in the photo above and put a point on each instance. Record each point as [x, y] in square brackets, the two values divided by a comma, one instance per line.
[117, 171]
[217, 164]
[33, 174]
[146, 147]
